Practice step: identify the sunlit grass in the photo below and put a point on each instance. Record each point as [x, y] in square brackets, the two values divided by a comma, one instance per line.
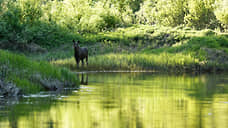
[164, 61]
[19, 70]
[143, 47]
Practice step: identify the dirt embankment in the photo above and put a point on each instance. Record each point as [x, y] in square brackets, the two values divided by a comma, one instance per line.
[217, 56]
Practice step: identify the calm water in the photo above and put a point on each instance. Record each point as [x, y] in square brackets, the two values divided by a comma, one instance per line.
[126, 100]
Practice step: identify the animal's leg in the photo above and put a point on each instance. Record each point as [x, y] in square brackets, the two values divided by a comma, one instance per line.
[77, 63]
[82, 62]
[87, 60]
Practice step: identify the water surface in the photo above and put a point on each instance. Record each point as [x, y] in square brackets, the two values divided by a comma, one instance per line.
[125, 100]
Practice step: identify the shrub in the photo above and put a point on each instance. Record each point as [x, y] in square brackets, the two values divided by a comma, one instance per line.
[222, 14]
[146, 13]
[170, 12]
[201, 14]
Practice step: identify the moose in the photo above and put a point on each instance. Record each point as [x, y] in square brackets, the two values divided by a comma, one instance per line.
[80, 53]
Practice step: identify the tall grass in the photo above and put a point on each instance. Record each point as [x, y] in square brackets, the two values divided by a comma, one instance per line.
[20, 70]
[143, 47]
[161, 62]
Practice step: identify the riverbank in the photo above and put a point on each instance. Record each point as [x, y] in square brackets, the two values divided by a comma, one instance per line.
[19, 73]
[142, 48]
[150, 48]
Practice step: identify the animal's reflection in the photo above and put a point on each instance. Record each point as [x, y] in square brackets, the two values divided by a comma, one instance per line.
[84, 78]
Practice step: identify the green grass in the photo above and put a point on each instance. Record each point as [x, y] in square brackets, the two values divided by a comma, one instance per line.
[19, 70]
[155, 48]
[162, 62]
[144, 47]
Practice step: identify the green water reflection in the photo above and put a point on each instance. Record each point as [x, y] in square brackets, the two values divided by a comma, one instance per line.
[128, 100]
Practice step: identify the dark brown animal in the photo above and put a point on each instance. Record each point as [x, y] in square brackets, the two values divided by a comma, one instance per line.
[80, 53]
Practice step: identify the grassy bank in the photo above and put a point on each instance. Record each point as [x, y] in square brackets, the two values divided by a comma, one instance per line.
[153, 48]
[147, 62]
[31, 76]
[162, 62]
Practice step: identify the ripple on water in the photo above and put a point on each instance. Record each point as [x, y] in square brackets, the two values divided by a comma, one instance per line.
[38, 95]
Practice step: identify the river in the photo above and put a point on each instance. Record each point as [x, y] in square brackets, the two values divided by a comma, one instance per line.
[125, 100]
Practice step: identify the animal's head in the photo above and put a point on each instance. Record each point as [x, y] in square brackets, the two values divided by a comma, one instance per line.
[76, 44]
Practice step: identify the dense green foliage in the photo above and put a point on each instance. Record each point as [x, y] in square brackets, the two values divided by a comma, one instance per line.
[51, 23]
[21, 71]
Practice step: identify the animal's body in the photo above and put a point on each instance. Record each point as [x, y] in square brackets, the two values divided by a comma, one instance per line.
[80, 53]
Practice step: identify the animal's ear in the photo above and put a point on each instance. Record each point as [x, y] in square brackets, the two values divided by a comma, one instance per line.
[73, 41]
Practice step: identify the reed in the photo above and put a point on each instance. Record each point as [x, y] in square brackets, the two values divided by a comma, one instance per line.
[161, 62]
